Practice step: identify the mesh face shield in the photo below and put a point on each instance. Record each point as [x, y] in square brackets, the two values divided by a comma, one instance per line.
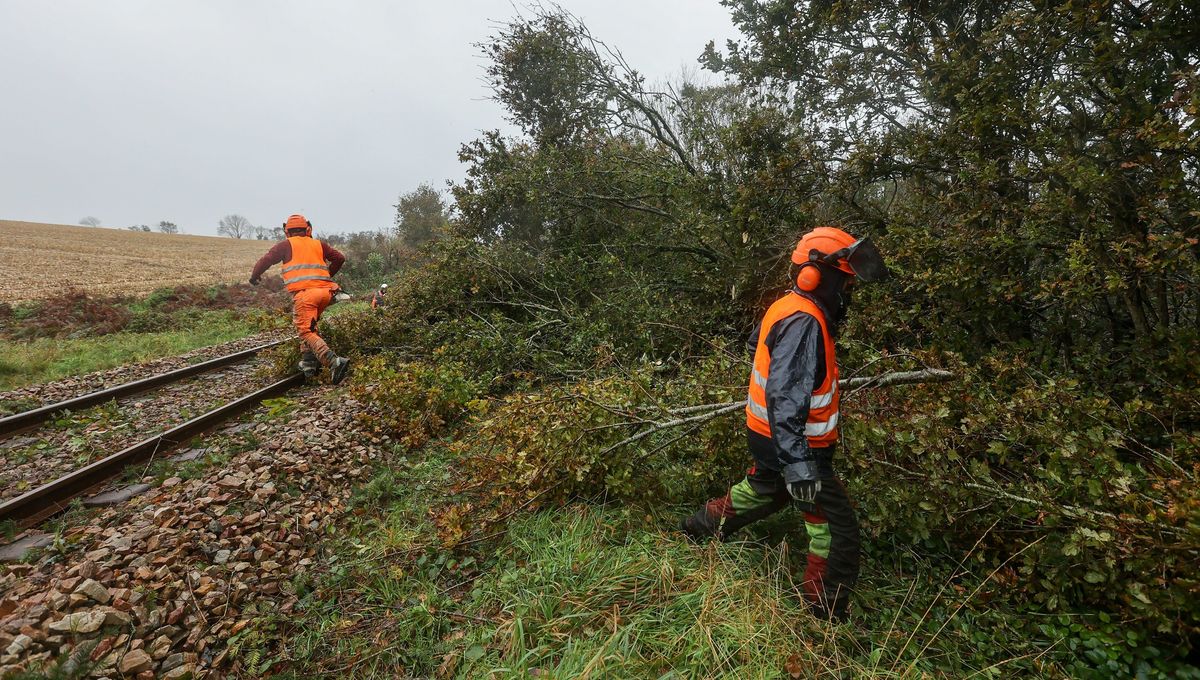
[864, 260]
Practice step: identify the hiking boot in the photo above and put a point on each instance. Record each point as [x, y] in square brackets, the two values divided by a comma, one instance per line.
[309, 365]
[839, 613]
[338, 369]
[694, 534]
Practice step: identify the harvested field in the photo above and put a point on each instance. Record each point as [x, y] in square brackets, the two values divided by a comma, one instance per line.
[40, 260]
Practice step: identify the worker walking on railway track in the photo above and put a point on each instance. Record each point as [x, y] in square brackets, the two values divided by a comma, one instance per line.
[308, 269]
[792, 418]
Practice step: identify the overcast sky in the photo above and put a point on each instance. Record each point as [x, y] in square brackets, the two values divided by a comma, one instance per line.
[140, 111]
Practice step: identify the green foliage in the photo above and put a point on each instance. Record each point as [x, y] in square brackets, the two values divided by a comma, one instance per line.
[1032, 167]
[413, 401]
[1030, 173]
[421, 216]
[371, 258]
[1109, 519]
[585, 440]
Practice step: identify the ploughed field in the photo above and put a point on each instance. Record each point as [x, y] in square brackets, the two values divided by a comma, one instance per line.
[38, 260]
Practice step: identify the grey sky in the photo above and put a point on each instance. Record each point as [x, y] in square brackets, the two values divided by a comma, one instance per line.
[140, 111]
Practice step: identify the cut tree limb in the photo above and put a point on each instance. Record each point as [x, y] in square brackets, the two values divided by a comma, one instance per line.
[852, 384]
[896, 378]
[704, 412]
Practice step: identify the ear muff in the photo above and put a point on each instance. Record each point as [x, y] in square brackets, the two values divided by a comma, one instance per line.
[809, 277]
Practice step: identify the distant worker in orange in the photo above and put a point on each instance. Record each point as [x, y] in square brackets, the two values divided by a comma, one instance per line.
[377, 300]
[308, 269]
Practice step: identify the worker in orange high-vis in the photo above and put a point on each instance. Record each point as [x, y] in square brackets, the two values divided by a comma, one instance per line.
[379, 298]
[792, 418]
[308, 269]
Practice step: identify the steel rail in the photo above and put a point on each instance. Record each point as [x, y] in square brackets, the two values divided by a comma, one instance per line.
[53, 497]
[22, 421]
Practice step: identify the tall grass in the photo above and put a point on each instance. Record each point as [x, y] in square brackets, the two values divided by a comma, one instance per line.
[602, 592]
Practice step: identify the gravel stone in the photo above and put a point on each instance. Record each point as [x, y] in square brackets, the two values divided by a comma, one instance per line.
[134, 662]
[79, 622]
[93, 590]
[185, 567]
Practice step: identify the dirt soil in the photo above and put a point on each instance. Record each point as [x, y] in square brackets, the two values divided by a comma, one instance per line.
[39, 260]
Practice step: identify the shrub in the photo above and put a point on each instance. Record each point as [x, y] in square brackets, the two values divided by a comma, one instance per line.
[414, 401]
[584, 440]
[1008, 459]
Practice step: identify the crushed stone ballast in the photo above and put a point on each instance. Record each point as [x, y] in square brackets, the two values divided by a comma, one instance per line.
[54, 497]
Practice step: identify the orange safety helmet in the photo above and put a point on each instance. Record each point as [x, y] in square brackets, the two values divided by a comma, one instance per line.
[836, 248]
[297, 222]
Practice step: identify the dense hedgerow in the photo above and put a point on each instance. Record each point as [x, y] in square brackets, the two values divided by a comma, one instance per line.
[1031, 477]
[1091, 485]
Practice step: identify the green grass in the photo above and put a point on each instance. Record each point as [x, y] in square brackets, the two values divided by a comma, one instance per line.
[604, 592]
[46, 359]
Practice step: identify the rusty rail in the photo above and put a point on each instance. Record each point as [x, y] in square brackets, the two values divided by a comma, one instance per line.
[23, 421]
[54, 497]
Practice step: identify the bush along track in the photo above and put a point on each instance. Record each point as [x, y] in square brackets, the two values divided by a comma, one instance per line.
[608, 259]
[517, 534]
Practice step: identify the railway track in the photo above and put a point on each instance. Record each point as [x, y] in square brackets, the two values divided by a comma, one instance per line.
[52, 497]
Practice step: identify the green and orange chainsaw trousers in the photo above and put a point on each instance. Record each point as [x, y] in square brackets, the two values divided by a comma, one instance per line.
[833, 534]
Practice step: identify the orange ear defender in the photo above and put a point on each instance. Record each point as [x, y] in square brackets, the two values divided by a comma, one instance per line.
[809, 275]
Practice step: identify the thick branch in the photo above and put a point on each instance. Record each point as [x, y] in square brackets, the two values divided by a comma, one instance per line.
[707, 412]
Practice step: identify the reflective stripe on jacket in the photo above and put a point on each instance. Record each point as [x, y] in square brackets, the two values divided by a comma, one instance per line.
[821, 426]
[307, 267]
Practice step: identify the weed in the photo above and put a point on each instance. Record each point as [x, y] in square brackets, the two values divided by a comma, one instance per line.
[277, 408]
[18, 405]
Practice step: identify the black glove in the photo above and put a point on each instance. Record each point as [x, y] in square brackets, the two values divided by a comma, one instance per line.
[805, 491]
[254, 281]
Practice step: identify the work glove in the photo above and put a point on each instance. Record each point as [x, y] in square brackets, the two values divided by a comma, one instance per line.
[254, 281]
[806, 491]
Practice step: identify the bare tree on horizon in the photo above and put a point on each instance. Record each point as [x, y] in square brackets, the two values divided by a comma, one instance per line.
[235, 226]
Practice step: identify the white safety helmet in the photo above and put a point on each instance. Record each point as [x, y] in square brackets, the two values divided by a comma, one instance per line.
[383, 286]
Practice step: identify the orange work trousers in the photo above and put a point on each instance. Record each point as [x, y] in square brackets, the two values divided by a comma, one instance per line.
[307, 306]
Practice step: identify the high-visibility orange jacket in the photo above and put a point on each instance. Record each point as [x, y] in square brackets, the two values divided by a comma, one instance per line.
[306, 268]
[284, 253]
[793, 396]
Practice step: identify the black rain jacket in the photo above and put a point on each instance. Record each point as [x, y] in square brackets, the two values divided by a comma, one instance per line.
[797, 368]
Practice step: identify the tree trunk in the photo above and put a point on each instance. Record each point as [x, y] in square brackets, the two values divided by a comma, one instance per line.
[1141, 324]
